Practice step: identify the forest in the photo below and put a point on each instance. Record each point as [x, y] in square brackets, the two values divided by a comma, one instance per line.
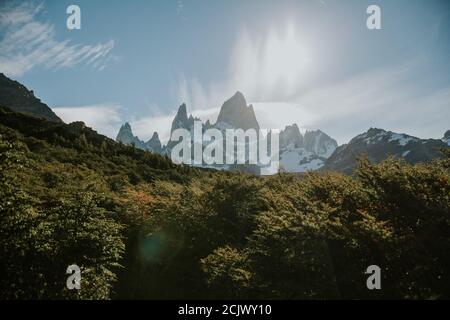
[141, 227]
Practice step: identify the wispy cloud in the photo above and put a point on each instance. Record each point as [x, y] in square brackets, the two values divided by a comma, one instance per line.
[265, 67]
[272, 71]
[391, 98]
[28, 41]
[104, 118]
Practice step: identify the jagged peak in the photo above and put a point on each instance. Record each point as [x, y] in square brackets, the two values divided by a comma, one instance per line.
[127, 126]
[237, 99]
[237, 114]
[447, 134]
[292, 126]
[239, 94]
[154, 138]
[376, 130]
[182, 111]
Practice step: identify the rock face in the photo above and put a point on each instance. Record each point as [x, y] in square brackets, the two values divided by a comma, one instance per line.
[154, 144]
[298, 153]
[378, 144]
[181, 120]
[320, 143]
[301, 153]
[18, 98]
[291, 137]
[235, 113]
[126, 136]
[446, 138]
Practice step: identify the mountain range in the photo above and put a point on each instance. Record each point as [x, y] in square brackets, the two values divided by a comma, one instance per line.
[299, 152]
[312, 150]
[378, 144]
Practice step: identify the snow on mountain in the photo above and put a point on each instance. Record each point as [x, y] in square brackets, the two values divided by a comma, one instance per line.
[298, 153]
[300, 160]
[301, 153]
[402, 139]
[378, 145]
[320, 143]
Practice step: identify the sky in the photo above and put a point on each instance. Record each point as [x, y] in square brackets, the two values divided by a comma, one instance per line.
[312, 62]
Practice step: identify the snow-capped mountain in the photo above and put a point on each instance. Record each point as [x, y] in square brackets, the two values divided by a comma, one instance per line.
[301, 153]
[298, 153]
[378, 144]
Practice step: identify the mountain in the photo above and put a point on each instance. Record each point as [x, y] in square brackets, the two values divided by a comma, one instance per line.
[235, 113]
[181, 120]
[291, 137]
[446, 137]
[378, 144]
[301, 153]
[320, 143]
[18, 98]
[154, 144]
[126, 136]
[298, 153]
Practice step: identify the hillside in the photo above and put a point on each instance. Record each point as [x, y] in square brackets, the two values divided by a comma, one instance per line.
[18, 98]
[141, 227]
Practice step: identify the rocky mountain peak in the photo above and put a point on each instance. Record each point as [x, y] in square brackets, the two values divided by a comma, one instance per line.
[447, 135]
[181, 119]
[182, 112]
[125, 133]
[126, 127]
[446, 138]
[235, 113]
[154, 144]
[320, 143]
[126, 136]
[291, 135]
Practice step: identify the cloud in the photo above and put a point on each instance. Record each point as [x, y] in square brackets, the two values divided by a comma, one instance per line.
[104, 118]
[145, 127]
[28, 42]
[273, 69]
[265, 67]
[391, 98]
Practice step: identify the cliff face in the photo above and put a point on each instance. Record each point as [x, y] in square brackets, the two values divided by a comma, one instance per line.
[235, 113]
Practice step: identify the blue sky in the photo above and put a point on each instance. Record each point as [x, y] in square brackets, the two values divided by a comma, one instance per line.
[310, 62]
